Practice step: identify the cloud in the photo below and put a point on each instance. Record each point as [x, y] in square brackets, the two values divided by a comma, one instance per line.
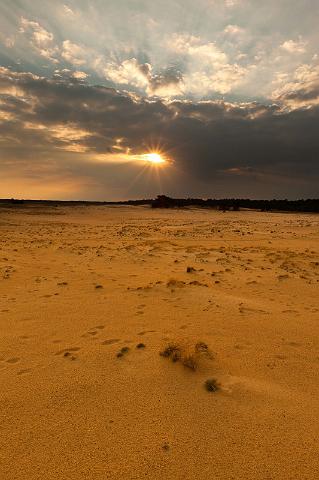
[232, 3]
[294, 47]
[68, 10]
[63, 125]
[43, 42]
[80, 75]
[130, 72]
[300, 91]
[71, 76]
[9, 42]
[74, 53]
[233, 30]
[167, 84]
[234, 52]
[40, 39]
[207, 68]
[194, 47]
[222, 81]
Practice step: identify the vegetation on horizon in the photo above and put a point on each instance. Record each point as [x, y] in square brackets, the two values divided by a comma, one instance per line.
[163, 201]
[235, 204]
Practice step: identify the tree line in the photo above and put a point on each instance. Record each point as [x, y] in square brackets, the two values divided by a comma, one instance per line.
[236, 204]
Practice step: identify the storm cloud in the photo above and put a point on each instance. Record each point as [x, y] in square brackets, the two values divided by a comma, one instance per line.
[79, 126]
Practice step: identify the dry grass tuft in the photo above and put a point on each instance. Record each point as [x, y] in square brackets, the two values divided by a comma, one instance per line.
[169, 350]
[190, 269]
[188, 355]
[122, 352]
[212, 385]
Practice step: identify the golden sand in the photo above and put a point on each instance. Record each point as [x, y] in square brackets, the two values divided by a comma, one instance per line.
[82, 287]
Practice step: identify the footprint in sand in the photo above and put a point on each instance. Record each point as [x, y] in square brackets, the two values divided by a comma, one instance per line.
[281, 356]
[66, 352]
[24, 372]
[70, 356]
[146, 331]
[110, 341]
[282, 277]
[13, 360]
[93, 331]
[293, 344]
[238, 346]
[244, 310]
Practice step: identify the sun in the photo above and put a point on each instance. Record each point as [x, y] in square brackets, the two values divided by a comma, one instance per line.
[154, 158]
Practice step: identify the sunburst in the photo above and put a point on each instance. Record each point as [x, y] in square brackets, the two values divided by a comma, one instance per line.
[153, 158]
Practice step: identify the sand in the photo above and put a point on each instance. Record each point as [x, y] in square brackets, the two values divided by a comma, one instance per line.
[78, 284]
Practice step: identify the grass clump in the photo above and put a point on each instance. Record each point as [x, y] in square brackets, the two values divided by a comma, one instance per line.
[169, 350]
[188, 355]
[122, 352]
[212, 385]
[201, 347]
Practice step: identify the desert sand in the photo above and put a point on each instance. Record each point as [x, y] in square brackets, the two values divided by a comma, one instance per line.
[79, 284]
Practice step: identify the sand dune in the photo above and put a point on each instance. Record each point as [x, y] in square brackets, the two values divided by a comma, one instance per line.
[90, 296]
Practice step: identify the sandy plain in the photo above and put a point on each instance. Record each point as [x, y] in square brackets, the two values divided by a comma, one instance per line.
[78, 284]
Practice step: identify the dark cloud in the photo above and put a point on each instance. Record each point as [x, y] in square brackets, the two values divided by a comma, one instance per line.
[240, 149]
[170, 79]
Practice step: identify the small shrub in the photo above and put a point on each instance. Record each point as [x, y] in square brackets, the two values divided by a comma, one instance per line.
[122, 352]
[201, 347]
[212, 385]
[169, 350]
[190, 269]
[188, 355]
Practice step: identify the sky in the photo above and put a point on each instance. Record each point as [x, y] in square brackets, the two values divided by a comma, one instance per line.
[225, 91]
